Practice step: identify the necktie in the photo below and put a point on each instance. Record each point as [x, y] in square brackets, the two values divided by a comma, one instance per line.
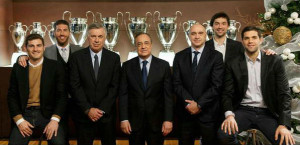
[194, 64]
[96, 65]
[64, 54]
[144, 74]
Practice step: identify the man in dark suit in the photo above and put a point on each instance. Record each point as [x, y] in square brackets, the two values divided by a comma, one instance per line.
[198, 74]
[146, 101]
[256, 94]
[37, 95]
[94, 79]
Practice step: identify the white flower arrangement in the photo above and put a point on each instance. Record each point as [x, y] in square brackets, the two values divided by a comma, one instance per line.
[296, 88]
[287, 55]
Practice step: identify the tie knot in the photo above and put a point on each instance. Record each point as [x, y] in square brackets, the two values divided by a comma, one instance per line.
[196, 53]
[145, 62]
[96, 56]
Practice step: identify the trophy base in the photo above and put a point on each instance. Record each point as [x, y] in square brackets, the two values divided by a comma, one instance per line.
[132, 54]
[167, 56]
[15, 57]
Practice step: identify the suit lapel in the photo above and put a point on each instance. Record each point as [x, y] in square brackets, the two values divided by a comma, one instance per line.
[244, 72]
[136, 68]
[204, 56]
[228, 50]
[152, 71]
[25, 79]
[103, 64]
[264, 69]
[89, 63]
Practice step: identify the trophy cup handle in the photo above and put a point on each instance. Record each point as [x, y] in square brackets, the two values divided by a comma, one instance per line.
[120, 14]
[158, 15]
[148, 13]
[177, 12]
[128, 13]
[45, 28]
[10, 27]
[100, 16]
[86, 14]
[26, 28]
[66, 13]
[29, 27]
[184, 26]
[239, 25]
[48, 27]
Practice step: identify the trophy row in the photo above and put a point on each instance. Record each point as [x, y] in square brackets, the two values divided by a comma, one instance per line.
[167, 29]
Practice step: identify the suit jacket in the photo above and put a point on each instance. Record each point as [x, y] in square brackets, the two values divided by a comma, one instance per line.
[154, 105]
[89, 92]
[233, 48]
[274, 86]
[52, 89]
[204, 87]
[51, 51]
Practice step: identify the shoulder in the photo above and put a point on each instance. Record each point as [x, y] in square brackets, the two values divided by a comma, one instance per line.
[183, 52]
[160, 62]
[110, 54]
[75, 47]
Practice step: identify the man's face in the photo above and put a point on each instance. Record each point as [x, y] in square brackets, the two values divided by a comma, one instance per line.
[62, 34]
[197, 36]
[35, 49]
[220, 27]
[144, 46]
[252, 41]
[96, 39]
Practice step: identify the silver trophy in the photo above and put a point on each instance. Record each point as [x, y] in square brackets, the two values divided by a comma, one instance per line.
[78, 27]
[135, 25]
[186, 29]
[233, 30]
[209, 30]
[37, 29]
[51, 32]
[18, 35]
[112, 26]
[167, 30]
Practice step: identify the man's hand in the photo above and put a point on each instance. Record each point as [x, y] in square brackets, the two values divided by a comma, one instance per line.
[269, 52]
[95, 114]
[285, 135]
[25, 128]
[22, 60]
[51, 129]
[192, 107]
[229, 125]
[125, 127]
[167, 127]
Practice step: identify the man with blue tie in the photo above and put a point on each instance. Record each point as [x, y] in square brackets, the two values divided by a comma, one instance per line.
[197, 79]
[146, 98]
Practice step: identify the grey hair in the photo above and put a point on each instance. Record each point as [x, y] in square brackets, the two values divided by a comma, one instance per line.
[97, 26]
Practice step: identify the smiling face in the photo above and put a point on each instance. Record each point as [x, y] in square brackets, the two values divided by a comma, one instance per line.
[220, 27]
[96, 39]
[35, 50]
[62, 34]
[252, 41]
[144, 46]
[197, 36]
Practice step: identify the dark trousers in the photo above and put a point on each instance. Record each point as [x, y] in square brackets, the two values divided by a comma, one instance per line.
[247, 118]
[147, 134]
[35, 118]
[88, 131]
[193, 128]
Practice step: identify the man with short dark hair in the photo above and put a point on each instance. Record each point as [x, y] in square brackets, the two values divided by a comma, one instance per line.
[37, 95]
[94, 79]
[256, 94]
[146, 98]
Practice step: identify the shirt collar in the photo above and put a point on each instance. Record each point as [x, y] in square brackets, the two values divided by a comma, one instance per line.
[258, 57]
[224, 43]
[200, 50]
[93, 53]
[148, 59]
[67, 47]
[36, 65]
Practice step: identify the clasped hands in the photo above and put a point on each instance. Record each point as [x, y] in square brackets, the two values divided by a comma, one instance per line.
[192, 107]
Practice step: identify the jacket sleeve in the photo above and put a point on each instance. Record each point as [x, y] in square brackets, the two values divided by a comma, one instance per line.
[168, 94]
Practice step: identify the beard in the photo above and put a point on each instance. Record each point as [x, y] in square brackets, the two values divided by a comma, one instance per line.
[60, 43]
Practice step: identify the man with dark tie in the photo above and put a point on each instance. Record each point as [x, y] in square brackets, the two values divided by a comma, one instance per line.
[256, 94]
[37, 96]
[197, 79]
[146, 98]
[94, 79]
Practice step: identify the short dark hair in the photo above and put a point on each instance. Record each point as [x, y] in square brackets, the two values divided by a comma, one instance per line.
[251, 28]
[219, 15]
[143, 33]
[33, 37]
[64, 22]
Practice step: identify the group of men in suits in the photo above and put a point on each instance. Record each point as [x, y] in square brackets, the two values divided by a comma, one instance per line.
[204, 87]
